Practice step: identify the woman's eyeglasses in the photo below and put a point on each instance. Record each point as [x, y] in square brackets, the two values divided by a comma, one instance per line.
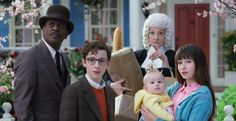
[101, 61]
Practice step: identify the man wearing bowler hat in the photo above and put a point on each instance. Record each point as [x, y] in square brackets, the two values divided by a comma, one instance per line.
[41, 72]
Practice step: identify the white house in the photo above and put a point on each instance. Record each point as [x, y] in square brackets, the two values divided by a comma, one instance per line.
[91, 24]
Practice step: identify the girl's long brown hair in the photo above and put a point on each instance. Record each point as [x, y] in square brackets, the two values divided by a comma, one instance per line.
[201, 75]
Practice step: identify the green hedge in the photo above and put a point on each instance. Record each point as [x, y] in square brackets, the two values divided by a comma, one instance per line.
[76, 66]
[228, 40]
[228, 98]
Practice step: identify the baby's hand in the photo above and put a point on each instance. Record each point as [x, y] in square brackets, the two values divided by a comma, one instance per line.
[169, 109]
[147, 115]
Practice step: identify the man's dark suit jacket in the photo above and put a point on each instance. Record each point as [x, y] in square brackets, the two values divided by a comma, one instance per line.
[80, 104]
[38, 86]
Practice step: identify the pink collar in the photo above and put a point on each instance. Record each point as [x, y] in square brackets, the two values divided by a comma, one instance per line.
[189, 88]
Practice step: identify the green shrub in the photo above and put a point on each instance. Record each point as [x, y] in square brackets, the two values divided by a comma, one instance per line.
[228, 40]
[76, 66]
[228, 98]
[6, 81]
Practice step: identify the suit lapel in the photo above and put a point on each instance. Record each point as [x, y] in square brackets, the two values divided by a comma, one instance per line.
[91, 98]
[48, 60]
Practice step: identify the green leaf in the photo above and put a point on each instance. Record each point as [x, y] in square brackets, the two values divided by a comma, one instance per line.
[228, 98]
[228, 40]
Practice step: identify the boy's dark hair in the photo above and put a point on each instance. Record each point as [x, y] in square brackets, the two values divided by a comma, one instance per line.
[93, 47]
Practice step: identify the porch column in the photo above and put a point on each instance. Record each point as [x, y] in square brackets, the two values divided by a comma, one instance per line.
[136, 24]
[66, 43]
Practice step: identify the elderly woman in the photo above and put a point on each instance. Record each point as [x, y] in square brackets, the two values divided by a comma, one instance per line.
[157, 39]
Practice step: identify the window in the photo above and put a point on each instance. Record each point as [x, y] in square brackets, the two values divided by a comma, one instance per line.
[22, 36]
[102, 22]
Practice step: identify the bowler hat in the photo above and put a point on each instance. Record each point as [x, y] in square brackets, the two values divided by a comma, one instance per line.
[57, 12]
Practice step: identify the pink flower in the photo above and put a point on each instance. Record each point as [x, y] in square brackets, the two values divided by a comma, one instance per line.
[6, 80]
[3, 89]
[13, 83]
[27, 9]
[205, 13]
[223, 8]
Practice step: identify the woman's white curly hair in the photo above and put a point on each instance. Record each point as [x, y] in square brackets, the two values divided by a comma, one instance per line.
[158, 20]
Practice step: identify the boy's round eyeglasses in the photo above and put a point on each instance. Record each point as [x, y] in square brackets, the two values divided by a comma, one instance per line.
[101, 61]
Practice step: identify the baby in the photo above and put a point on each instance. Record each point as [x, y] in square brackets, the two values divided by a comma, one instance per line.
[153, 96]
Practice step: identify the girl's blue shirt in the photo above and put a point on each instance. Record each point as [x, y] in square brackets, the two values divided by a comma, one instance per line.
[197, 107]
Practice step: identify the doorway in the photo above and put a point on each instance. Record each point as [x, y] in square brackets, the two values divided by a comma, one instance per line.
[191, 28]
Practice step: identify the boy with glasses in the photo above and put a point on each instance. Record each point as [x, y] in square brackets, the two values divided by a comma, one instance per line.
[90, 99]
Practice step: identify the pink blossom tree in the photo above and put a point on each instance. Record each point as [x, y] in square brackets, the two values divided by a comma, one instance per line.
[223, 8]
[27, 10]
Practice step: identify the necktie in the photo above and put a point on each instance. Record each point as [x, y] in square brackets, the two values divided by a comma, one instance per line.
[58, 63]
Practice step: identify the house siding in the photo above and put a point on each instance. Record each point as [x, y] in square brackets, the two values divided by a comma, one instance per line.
[56, 1]
[4, 30]
[77, 37]
[126, 22]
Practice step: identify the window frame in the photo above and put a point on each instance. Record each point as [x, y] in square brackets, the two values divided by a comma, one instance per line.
[105, 29]
[34, 34]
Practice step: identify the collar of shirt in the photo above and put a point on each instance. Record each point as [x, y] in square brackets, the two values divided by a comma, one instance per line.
[52, 51]
[189, 88]
[94, 84]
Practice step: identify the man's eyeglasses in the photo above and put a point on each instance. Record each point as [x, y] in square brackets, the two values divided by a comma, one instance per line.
[101, 61]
